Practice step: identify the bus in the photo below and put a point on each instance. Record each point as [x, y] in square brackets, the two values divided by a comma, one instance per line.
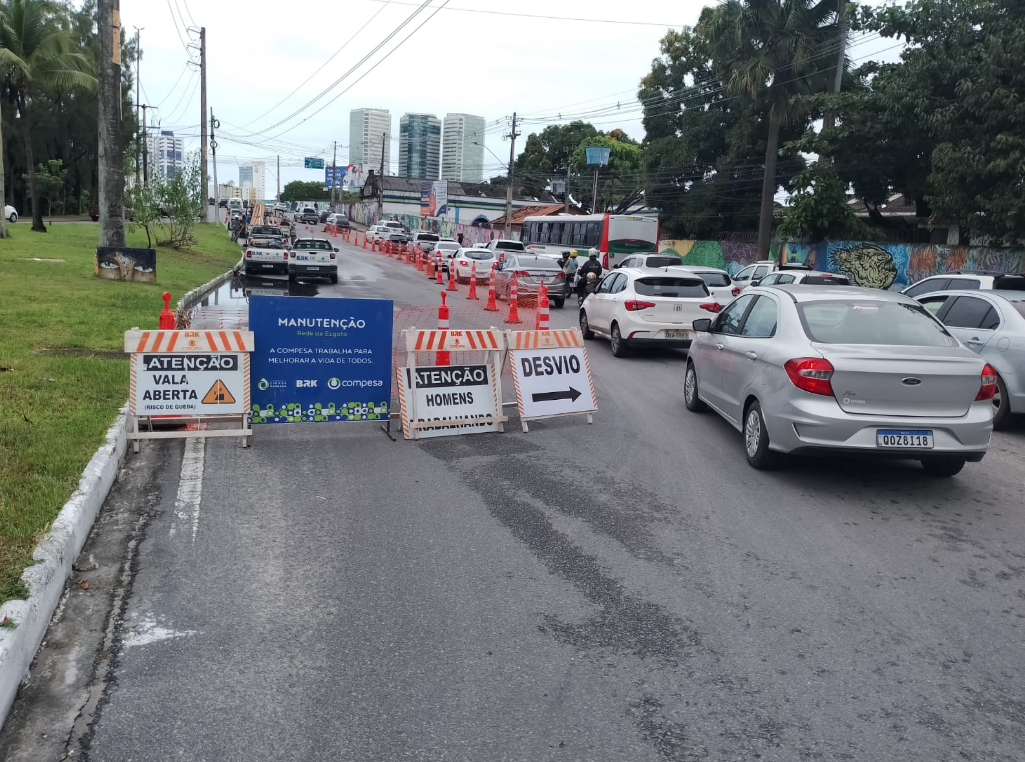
[616, 236]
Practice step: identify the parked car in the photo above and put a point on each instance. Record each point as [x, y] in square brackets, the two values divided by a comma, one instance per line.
[338, 219]
[394, 224]
[447, 249]
[968, 281]
[267, 256]
[718, 281]
[849, 371]
[12, 214]
[313, 258]
[425, 241]
[259, 233]
[752, 274]
[94, 213]
[636, 307]
[465, 260]
[309, 216]
[530, 271]
[991, 324]
[502, 246]
[396, 236]
[324, 214]
[379, 232]
[807, 277]
[650, 261]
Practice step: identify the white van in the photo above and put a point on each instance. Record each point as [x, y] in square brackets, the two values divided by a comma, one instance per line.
[234, 205]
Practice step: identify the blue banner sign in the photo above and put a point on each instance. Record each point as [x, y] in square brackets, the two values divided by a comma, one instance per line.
[597, 155]
[320, 359]
[334, 177]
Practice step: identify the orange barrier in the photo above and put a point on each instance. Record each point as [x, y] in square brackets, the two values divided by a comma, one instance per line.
[541, 321]
[429, 267]
[514, 304]
[437, 267]
[165, 322]
[443, 358]
[472, 293]
[451, 275]
[492, 306]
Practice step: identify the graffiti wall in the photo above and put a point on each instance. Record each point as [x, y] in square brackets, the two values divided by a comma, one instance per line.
[875, 265]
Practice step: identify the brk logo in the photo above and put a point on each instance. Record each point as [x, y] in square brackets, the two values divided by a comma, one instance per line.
[305, 384]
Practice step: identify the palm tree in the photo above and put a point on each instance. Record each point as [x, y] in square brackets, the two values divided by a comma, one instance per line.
[36, 46]
[774, 51]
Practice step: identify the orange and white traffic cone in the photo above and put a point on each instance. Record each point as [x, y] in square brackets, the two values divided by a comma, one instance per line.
[451, 275]
[429, 266]
[443, 358]
[541, 321]
[514, 303]
[492, 306]
[472, 293]
[437, 268]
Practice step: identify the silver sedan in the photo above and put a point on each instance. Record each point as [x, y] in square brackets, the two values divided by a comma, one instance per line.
[817, 370]
[992, 324]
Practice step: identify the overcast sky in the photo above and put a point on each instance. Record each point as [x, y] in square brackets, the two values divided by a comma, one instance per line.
[479, 61]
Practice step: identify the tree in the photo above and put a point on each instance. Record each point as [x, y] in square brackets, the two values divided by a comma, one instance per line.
[50, 180]
[36, 46]
[297, 190]
[624, 175]
[181, 196]
[819, 209]
[547, 154]
[771, 51]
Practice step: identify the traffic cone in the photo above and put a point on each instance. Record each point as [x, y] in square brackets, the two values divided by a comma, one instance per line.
[418, 259]
[541, 321]
[472, 293]
[166, 320]
[491, 305]
[364, 240]
[514, 304]
[451, 275]
[429, 266]
[437, 268]
[442, 358]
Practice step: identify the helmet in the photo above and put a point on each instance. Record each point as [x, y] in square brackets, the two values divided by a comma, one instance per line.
[573, 255]
[593, 253]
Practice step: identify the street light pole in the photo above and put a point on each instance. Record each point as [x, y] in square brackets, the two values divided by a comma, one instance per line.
[509, 189]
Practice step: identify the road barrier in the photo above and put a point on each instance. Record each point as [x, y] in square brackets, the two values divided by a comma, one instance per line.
[429, 266]
[541, 321]
[547, 369]
[166, 320]
[437, 269]
[491, 306]
[443, 358]
[472, 293]
[514, 304]
[451, 275]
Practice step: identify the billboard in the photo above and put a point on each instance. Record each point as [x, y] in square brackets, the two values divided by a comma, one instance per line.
[434, 198]
[334, 177]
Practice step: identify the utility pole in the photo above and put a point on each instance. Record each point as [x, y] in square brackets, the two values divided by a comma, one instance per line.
[138, 81]
[203, 111]
[334, 174]
[145, 147]
[829, 118]
[110, 155]
[380, 180]
[509, 189]
[277, 198]
[568, 165]
[214, 124]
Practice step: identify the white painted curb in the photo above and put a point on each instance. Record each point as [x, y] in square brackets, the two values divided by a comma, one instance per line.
[59, 548]
[54, 556]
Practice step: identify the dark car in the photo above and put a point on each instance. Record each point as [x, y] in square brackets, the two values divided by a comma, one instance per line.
[398, 238]
[94, 213]
[341, 221]
[323, 215]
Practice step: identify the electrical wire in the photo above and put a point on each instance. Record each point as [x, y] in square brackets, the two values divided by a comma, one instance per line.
[180, 38]
[618, 22]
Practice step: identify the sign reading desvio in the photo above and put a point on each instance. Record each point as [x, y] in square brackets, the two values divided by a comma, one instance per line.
[320, 359]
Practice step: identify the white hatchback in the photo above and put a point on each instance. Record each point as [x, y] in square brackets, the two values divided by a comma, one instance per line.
[470, 261]
[644, 307]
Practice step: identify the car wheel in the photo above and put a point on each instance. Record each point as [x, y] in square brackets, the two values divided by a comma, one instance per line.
[559, 303]
[943, 467]
[619, 347]
[585, 327]
[1002, 417]
[690, 391]
[95, 217]
[13, 218]
[334, 279]
[756, 440]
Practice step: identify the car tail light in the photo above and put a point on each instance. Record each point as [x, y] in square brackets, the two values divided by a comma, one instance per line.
[249, 254]
[632, 305]
[249, 242]
[560, 275]
[811, 374]
[989, 383]
[605, 262]
[286, 255]
[521, 274]
[332, 255]
[735, 291]
[712, 307]
[463, 263]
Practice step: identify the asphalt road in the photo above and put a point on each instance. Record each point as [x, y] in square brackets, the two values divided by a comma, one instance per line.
[629, 590]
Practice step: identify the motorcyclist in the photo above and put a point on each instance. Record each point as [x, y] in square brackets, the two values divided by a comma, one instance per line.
[592, 265]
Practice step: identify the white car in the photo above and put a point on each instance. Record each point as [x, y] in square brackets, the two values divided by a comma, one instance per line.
[807, 277]
[753, 274]
[967, 281]
[718, 281]
[313, 258]
[10, 213]
[380, 233]
[644, 307]
[465, 260]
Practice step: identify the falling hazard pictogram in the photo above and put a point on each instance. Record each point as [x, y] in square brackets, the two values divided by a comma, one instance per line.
[218, 395]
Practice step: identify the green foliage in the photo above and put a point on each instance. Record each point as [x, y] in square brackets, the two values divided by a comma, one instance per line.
[50, 180]
[546, 154]
[620, 183]
[181, 196]
[297, 190]
[819, 210]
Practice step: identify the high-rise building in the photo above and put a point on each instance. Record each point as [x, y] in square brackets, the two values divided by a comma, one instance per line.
[165, 155]
[420, 146]
[367, 127]
[255, 174]
[462, 156]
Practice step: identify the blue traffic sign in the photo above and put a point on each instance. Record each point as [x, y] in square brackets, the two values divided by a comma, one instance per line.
[320, 359]
[313, 163]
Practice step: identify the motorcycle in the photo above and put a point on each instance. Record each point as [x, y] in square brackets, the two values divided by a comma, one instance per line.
[585, 287]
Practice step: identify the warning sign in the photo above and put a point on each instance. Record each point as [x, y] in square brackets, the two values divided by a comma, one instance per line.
[461, 399]
[551, 374]
[218, 395]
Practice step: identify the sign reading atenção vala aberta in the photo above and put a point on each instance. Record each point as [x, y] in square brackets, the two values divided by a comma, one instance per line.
[320, 359]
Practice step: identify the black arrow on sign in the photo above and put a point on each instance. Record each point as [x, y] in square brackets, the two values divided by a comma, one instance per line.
[570, 394]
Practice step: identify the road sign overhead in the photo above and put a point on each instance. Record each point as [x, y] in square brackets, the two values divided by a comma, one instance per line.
[312, 163]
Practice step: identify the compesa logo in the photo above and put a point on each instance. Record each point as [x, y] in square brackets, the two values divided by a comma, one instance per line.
[333, 383]
[911, 381]
[263, 384]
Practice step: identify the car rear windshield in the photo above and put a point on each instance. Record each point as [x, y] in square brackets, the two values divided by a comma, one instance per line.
[317, 245]
[510, 245]
[663, 261]
[715, 279]
[1009, 283]
[680, 288]
[426, 237]
[478, 254]
[449, 245]
[269, 243]
[537, 263]
[872, 322]
[826, 280]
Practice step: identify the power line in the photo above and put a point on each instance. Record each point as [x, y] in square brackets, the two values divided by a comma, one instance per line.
[186, 4]
[175, 20]
[618, 22]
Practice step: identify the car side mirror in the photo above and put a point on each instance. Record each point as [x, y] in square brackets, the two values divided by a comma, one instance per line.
[755, 282]
[703, 325]
[336, 248]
